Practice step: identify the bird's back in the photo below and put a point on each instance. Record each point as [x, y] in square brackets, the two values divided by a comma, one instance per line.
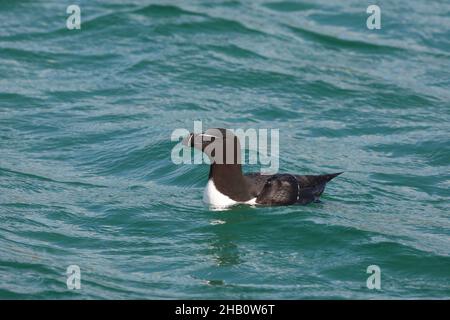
[310, 187]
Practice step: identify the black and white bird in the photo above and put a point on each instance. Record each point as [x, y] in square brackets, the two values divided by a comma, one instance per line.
[228, 186]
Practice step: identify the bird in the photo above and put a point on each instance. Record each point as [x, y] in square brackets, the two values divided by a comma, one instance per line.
[228, 186]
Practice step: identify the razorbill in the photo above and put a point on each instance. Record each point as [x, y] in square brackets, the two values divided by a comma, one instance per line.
[227, 185]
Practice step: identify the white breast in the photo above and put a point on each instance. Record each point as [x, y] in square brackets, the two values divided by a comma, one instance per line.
[215, 198]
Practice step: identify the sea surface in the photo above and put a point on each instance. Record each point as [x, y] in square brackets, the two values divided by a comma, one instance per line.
[86, 176]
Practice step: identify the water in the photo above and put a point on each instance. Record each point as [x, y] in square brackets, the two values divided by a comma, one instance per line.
[85, 171]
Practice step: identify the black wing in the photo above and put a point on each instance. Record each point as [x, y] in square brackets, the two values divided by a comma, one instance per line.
[310, 186]
[256, 182]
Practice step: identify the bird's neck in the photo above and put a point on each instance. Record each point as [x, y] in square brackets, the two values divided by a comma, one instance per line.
[229, 180]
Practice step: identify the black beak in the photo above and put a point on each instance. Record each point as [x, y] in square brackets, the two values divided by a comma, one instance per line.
[196, 140]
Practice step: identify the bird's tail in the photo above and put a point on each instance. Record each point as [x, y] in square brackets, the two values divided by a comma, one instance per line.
[311, 181]
[330, 176]
[311, 187]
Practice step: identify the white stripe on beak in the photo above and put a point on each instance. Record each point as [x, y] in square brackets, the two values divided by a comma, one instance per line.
[208, 135]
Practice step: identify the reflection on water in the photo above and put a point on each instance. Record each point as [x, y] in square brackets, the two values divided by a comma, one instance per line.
[86, 175]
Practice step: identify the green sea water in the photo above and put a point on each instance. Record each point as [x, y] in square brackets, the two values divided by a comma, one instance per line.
[86, 176]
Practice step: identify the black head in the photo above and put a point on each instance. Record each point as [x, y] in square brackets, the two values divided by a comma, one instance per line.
[221, 145]
[280, 189]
